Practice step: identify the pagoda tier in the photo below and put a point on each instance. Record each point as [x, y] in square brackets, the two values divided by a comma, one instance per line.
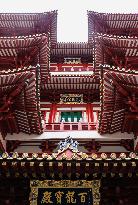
[72, 68]
[22, 24]
[19, 101]
[119, 101]
[71, 82]
[25, 51]
[75, 49]
[117, 51]
[114, 24]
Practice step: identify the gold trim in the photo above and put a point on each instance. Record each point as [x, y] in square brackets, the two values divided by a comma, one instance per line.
[63, 98]
[94, 184]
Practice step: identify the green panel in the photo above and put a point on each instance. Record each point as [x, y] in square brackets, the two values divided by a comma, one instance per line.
[71, 115]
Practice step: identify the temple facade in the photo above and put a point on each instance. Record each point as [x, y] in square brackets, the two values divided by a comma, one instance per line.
[68, 111]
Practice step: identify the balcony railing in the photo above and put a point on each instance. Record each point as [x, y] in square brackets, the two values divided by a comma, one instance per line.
[71, 67]
[64, 126]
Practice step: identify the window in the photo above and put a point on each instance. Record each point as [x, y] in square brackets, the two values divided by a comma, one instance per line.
[71, 116]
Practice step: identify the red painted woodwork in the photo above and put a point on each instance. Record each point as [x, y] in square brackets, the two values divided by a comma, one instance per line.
[76, 126]
[26, 49]
[25, 24]
[20, 109]
[72, 49]
[69, 126]
[23, 89]
[89, 112]
[9, 100]
[56, 67]
[19, 101]
[114, 51]
[43, 105]
[47, 146]
[119, 101]
[110, 23]
[52, 113]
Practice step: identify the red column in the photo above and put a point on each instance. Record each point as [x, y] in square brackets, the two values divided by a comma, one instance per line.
[89, 111]
[52, 113]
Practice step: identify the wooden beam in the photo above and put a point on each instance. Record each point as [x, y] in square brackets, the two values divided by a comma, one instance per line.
[99, 22]
[131, 100]
[11, 145]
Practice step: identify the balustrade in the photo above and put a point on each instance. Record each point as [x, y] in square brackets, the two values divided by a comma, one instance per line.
[64, 126]
[71, 68]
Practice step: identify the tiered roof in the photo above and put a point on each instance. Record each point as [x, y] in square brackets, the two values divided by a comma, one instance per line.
[24, 64]
[72, 49]
[115, 41]
[25, 51]
[57, 85]
[119, 101]
[19, 101]
[25, 41]
[23, 24]
[72, 77]
[70, 83]
[117, 51]
[112, 23]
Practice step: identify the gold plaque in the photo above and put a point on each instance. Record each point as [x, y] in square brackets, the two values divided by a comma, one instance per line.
[71, 98]
[65, 192]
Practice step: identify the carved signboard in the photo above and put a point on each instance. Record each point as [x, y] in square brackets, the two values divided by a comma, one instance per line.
[65, 192]
[71, 98]
[72, 60]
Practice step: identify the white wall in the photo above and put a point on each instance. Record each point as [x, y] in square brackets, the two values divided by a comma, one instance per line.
[74, 134]
[112, 149]
[28, 149]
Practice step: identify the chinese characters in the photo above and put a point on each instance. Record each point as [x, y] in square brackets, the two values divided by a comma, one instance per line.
[66, 196]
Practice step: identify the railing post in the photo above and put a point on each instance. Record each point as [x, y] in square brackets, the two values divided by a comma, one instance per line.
[53, 126]
[89, 127]
[79, 126]
[61, 126]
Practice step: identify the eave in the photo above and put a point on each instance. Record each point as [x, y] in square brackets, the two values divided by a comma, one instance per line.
[78, 166]
[112, 23]
[23, 24]
[116, 99]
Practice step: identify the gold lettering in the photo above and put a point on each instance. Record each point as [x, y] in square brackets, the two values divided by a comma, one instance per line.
[70, 197]
[58, 196]
[83, 197]
[47, 198]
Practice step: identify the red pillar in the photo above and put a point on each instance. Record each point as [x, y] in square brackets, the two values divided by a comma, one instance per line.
[89, 111]
[52, 113]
